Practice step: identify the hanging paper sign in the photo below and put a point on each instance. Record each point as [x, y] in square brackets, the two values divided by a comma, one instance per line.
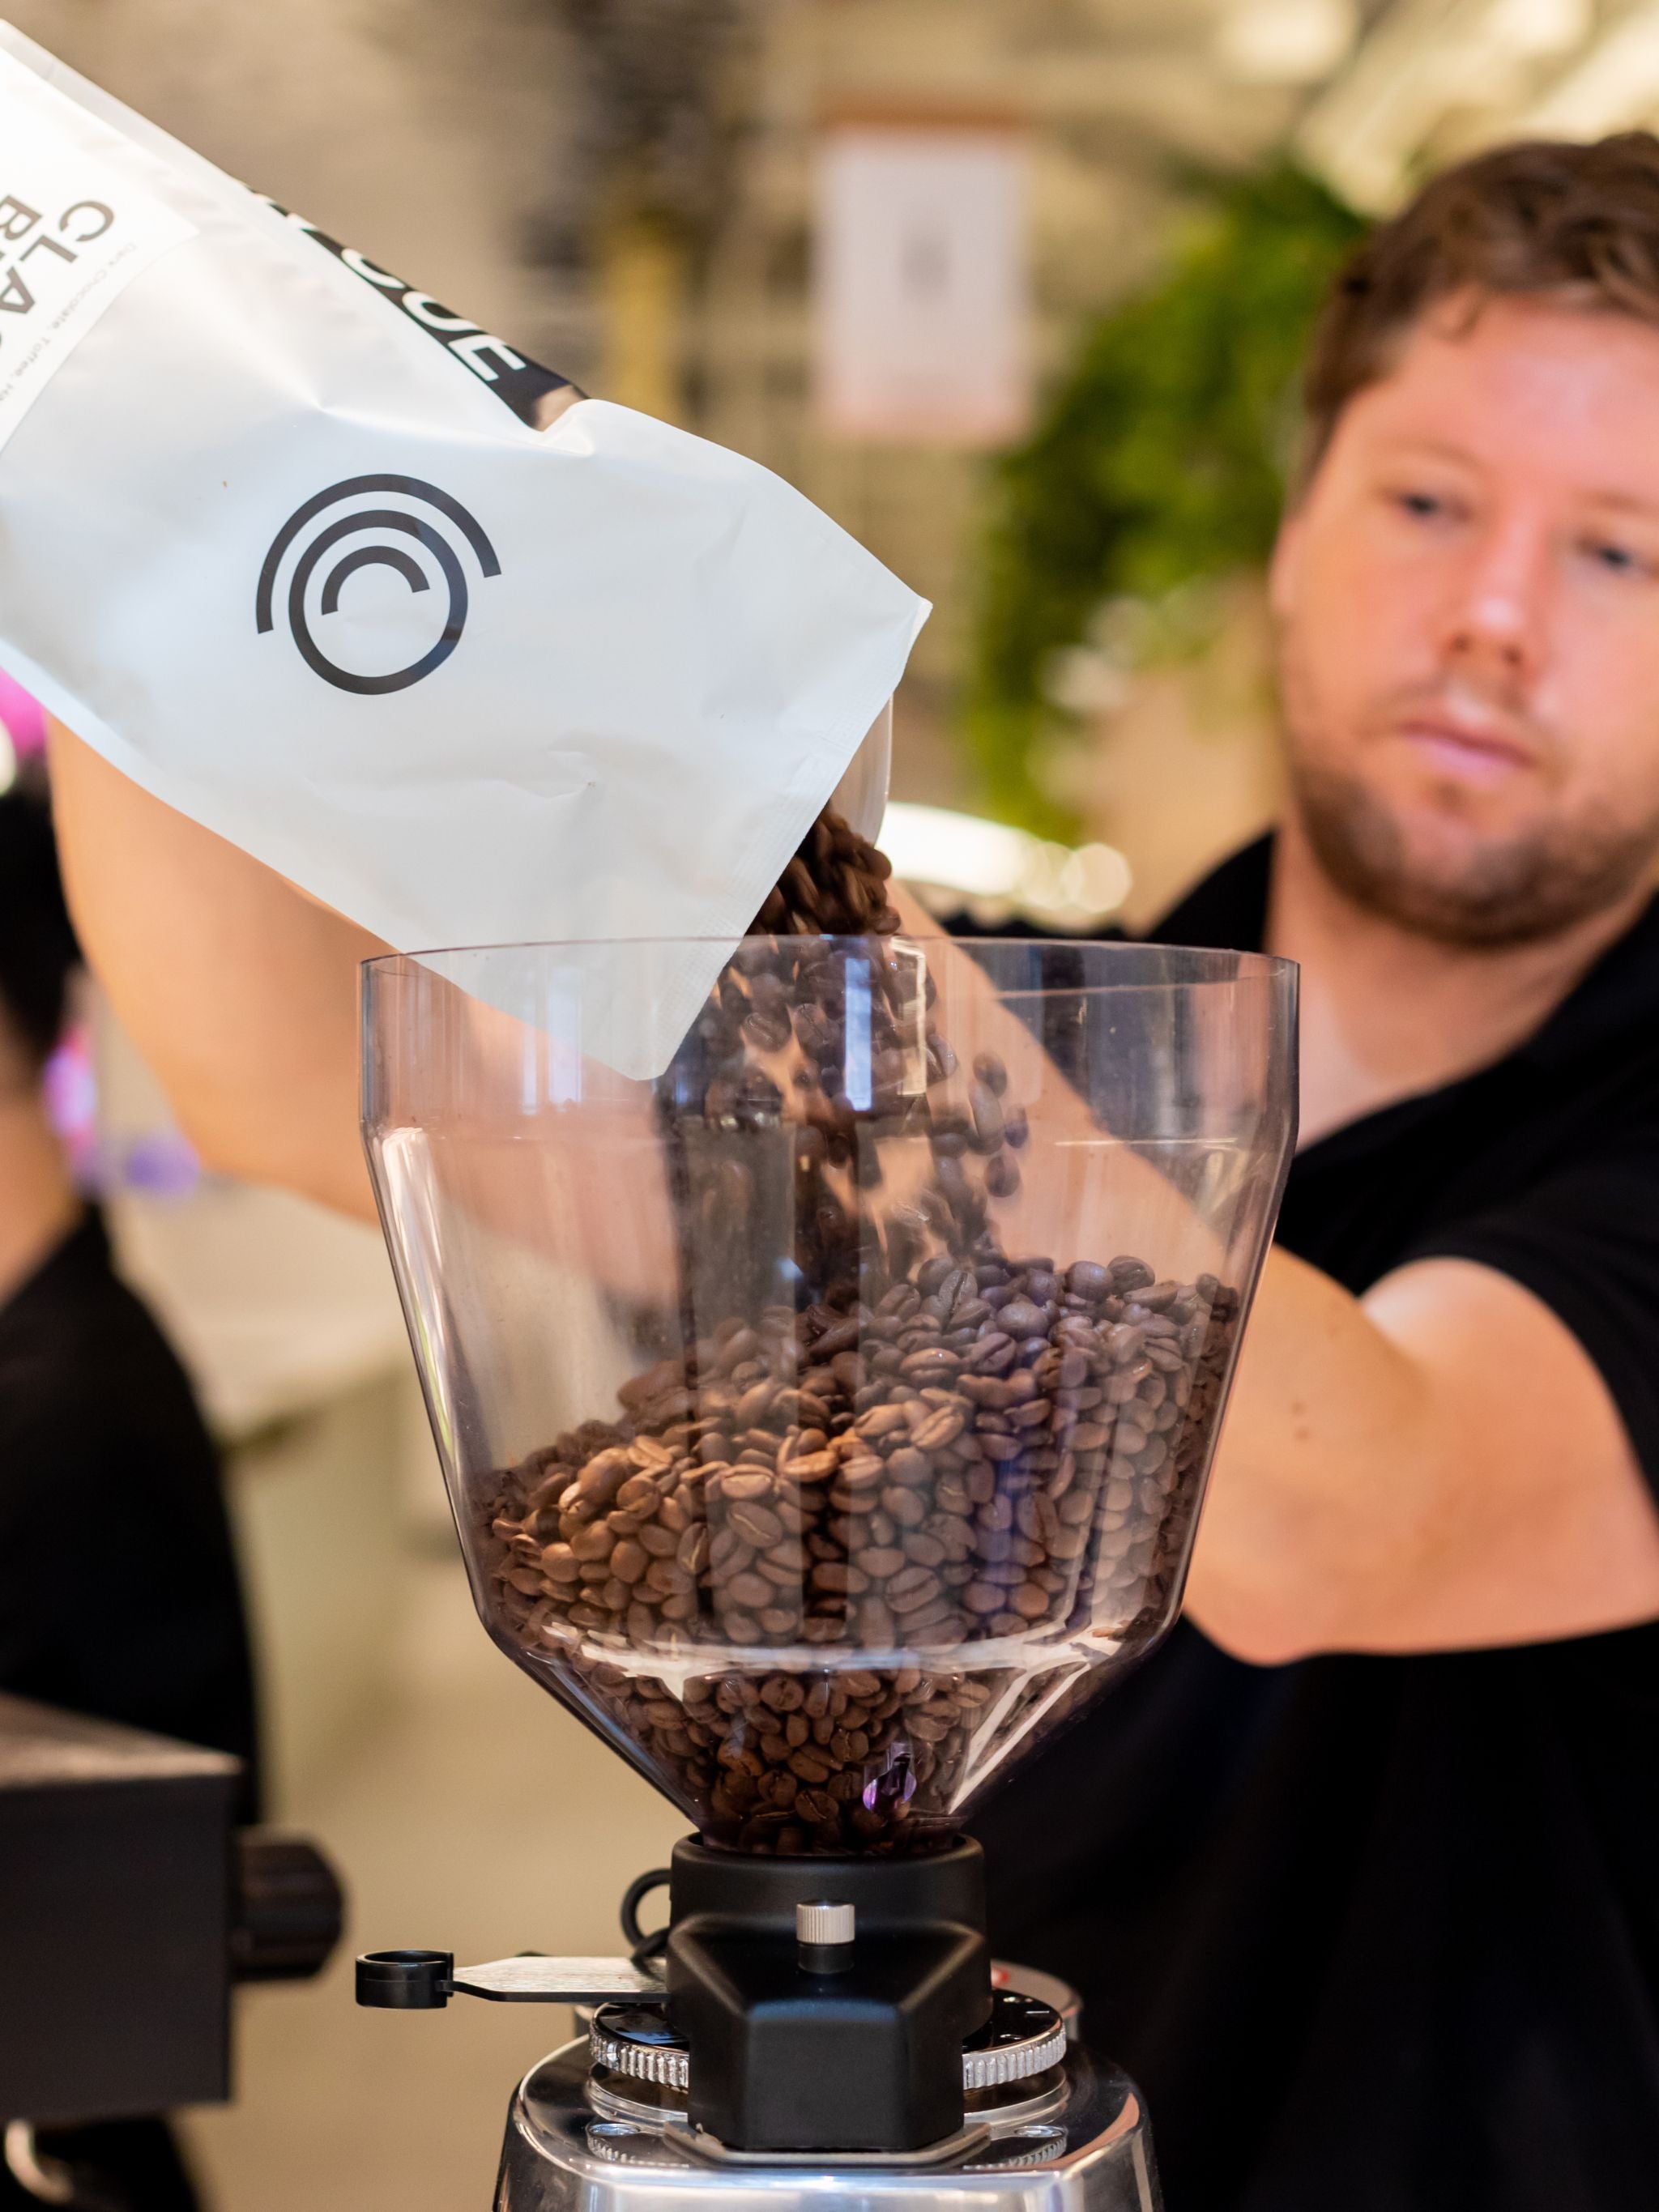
[921, 306]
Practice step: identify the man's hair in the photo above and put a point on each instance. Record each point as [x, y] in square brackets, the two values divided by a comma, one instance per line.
[1546, 220]
[38, 950]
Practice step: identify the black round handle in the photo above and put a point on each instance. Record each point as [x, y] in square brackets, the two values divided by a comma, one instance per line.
[288, 1908]
[406, 1981]
[644, 1948]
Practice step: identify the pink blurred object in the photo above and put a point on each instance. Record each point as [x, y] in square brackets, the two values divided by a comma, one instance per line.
[24, 716]
[71, 1091]
[160, 1163]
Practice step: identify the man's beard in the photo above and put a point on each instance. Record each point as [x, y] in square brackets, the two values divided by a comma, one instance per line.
[1515, 890]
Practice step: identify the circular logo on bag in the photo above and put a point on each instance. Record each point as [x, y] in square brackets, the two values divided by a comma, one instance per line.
[426, 542]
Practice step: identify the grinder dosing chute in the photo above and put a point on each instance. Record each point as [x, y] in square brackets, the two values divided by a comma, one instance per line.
[826, 1419]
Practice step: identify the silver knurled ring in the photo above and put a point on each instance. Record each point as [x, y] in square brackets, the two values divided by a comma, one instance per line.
[643, 2061]
[1013, 2062]
[981, 2069]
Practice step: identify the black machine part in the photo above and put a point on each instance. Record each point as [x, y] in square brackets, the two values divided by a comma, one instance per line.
[129, 1905]
[800, 2044]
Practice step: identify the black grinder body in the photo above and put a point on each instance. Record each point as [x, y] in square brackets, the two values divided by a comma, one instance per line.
[787, 2057]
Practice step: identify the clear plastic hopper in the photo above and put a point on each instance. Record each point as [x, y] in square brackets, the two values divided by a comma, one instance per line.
[826, 1419]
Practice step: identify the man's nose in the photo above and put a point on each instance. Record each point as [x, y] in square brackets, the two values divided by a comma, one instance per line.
[1495, 615]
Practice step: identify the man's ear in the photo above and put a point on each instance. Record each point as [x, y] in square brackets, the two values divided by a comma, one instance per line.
[1285, 570]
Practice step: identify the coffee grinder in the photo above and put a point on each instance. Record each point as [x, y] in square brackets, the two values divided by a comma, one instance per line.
[825, 1382]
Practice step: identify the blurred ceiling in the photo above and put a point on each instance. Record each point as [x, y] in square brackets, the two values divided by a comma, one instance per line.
[1432, 80]
[1374, 92]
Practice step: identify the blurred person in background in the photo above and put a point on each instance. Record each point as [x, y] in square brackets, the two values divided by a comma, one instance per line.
[1356, 1873]
[119, 1592]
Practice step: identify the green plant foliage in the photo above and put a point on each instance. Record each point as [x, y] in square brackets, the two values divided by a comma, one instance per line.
[1160, 461]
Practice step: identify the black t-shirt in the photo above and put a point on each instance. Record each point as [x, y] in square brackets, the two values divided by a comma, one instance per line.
[1381, 1934]
[119, 1592]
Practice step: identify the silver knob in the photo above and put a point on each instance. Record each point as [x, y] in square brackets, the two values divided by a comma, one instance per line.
[825, 1923]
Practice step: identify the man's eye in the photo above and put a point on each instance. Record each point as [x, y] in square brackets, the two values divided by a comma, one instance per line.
[1622, 560]
[1425, 506]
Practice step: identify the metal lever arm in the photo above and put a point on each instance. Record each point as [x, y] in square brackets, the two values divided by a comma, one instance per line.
[425, 1981]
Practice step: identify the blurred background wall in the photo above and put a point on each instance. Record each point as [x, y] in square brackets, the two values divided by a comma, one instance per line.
[1015, 289]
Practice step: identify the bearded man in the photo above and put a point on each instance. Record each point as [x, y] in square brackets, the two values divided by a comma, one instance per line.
[1357, 1873]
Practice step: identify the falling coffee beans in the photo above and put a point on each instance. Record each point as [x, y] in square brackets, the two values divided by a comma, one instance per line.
[817, 1566]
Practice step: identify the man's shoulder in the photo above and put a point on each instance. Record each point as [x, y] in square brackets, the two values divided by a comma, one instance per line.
[1612, 1011]
[1226, 909]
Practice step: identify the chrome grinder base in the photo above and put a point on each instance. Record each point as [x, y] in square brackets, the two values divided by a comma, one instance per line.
[583, 2136]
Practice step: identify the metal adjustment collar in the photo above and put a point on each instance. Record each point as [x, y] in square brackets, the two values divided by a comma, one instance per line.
[1022, 2036]
[627, 2040]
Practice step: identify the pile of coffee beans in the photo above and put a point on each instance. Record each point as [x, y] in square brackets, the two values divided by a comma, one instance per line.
[926, 1483]
[994, 1462]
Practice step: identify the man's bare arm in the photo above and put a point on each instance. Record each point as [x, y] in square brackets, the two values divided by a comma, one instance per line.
[240, 994]
[1437, 1465]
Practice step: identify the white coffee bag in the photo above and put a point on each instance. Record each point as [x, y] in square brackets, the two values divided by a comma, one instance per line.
[345, 578]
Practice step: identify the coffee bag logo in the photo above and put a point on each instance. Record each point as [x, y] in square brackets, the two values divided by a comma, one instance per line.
[420, 548]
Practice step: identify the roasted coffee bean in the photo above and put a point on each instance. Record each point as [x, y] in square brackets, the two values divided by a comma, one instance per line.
[880, 1563]
[906, 1508]
[911, 1587]
[748, 1485]
[784, 1567]
[1001, 1177]
[640, 1494]
[860, 1474]
[940, 1427]
[755, 1524]
[987, 1116]
[838, 1578]
[692, 1551]
[603, 1476]
[813, 1466]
